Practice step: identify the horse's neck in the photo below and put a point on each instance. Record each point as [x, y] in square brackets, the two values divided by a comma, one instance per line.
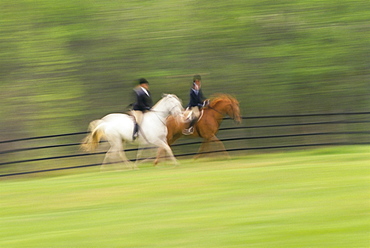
[160, 111]
[220, 112]
[216, 114]
[162, 108]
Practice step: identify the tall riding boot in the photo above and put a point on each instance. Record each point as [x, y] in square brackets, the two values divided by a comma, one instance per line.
[136, 131]
[190, 130]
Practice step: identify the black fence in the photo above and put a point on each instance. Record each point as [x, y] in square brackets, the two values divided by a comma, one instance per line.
[61, 151]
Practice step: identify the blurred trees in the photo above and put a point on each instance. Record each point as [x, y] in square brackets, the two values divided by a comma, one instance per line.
[65, 63]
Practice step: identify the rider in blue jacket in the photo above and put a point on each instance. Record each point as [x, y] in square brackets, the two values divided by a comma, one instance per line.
[195, 104]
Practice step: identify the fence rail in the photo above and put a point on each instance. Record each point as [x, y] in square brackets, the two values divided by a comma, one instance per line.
[227, 118]
[355, 131]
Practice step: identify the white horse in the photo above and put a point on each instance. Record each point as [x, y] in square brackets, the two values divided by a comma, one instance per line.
[118, 129]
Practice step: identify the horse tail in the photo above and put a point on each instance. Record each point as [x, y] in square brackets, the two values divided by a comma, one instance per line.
[91, 141]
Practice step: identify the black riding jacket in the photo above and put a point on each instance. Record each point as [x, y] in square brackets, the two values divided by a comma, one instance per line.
[143, 101]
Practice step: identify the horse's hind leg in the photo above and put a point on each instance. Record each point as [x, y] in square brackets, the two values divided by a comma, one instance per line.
[107, 159]
[124, 158]
[122, 155]
[115, 153]
[139, 158]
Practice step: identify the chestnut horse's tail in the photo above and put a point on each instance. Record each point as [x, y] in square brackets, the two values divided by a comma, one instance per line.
[91, 141]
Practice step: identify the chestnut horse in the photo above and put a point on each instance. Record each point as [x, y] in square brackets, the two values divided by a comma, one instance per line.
[208, 124]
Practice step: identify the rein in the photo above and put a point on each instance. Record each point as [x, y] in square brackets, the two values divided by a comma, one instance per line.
[154, 111]
[215, 110]
[141, 131]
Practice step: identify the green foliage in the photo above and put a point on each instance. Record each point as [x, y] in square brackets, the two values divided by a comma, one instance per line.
[64, 63]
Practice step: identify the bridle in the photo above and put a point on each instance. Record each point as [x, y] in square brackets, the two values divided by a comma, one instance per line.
[220, 111]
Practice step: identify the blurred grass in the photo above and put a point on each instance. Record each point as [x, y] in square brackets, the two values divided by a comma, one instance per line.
[315, 198]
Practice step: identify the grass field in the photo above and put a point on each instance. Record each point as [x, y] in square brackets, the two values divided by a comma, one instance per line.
[315, 198]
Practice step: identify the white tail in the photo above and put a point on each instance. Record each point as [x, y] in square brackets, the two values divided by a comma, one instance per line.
[91, 141]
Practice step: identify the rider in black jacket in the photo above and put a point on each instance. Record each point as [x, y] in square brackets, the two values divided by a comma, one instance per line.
[143, 102]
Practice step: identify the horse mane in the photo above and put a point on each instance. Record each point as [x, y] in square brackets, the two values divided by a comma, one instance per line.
[216, 98]
[164, 96]
[171, 95]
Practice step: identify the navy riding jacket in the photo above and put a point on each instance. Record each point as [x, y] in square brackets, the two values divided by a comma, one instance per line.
[143, 101]
[196, 98]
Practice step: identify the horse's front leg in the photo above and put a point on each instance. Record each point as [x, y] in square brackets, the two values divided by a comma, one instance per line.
[138, 156]
[159, 155]
[122, 155]
[218, 144]
[164, 146]
[204, 147]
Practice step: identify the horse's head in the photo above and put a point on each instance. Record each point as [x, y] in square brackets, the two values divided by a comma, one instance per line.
[226, 105]
[172, 104]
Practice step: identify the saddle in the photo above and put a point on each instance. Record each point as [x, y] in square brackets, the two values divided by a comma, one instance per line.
[190, 117]
[191, 120]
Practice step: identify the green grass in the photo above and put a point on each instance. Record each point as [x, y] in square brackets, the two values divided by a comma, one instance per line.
[316, 198]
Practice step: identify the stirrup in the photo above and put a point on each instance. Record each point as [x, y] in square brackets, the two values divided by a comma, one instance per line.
[188, 131]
